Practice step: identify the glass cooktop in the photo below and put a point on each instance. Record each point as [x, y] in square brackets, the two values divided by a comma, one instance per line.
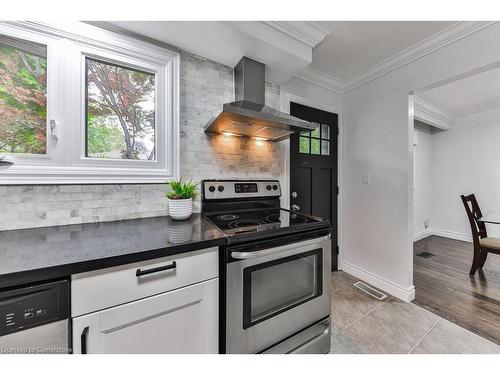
[234, 223]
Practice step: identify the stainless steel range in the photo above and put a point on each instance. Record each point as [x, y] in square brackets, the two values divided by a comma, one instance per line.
[275, 270]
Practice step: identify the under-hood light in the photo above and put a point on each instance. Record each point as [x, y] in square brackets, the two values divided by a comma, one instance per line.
[229, 134]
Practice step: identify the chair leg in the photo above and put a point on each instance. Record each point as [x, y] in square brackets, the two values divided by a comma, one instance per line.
[476, 260]
[484, 255]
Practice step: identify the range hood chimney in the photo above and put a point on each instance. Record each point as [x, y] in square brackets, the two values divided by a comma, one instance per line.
[248, 116]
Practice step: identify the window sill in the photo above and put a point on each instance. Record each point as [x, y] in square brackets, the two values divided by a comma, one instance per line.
[34, 175]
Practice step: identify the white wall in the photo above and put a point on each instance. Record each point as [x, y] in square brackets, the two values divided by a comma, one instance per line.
[378, 217]
[312, 92]
[422, 194]
[466, 159]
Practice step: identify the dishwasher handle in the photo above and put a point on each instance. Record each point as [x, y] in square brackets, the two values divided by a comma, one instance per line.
[83, 340]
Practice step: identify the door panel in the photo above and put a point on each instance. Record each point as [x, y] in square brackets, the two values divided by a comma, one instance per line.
[304, 185]
[322, 197]
[180, 321]
[147, 337]
[313, 167]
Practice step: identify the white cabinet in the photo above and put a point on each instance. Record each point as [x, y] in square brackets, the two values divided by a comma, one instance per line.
[184, 320]
[101, 289]
[166, 305]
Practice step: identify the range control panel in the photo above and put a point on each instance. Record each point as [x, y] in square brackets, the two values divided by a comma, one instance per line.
[28, 307]
[246, 187]
[231, 189]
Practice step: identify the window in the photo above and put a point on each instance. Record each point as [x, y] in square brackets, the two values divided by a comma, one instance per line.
[315, 142]
[23, 102]
[79, 104]
[120, 110]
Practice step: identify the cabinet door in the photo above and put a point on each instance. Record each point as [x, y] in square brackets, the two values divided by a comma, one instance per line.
[181, 321]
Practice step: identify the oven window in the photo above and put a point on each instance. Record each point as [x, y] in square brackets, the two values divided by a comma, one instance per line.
[273, 287]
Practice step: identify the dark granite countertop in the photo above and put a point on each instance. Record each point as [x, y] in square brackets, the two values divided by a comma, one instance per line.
[32, 255]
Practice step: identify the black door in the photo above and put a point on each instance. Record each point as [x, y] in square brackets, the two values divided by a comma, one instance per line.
[313, 168]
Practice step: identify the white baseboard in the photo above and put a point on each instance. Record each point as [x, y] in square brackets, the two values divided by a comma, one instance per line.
[405, 294]
[422, 234]
[442, 233]
[452, 235]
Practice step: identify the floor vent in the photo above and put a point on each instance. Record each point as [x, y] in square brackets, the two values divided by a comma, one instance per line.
[369, 290]
[425, 254]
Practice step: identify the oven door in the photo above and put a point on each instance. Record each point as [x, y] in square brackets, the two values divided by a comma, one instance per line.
[275, 292]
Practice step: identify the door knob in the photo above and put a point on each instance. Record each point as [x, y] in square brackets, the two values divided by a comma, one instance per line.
[294, 194]
[295, 207]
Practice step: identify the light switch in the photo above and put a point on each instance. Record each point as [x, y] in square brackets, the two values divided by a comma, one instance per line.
[366, 179]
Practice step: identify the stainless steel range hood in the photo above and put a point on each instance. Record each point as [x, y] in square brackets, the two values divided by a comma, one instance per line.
[248, 116]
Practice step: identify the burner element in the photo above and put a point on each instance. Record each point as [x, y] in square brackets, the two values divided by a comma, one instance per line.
[228, 217]
[245, 223]
[272, 212]
[273, 218]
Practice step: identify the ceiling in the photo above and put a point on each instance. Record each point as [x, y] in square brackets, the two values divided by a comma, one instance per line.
[226, 42]
[352, 47]
[471, 95]
[334, 54]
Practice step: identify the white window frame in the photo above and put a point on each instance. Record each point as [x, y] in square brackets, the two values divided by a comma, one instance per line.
[53, 101]
[67, 47]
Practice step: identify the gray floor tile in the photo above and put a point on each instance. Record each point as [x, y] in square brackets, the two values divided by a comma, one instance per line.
[350, 304]
[342, 343]
[449, 338]
[341, 280]
[393, 327]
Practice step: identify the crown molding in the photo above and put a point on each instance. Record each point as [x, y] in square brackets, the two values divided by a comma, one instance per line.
[431, 44]
[491, 114]
[431, 114]
[321, 79]
[306, 32]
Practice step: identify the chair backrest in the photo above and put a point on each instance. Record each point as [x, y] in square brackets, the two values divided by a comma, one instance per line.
[478, 228]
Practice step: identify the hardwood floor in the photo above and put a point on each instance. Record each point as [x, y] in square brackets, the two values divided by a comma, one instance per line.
[444, 287]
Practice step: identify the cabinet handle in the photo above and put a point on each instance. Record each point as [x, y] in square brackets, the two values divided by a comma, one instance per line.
[83, 340]
[140, 272]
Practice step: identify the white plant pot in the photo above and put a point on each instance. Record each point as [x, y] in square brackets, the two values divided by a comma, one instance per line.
[180, 209]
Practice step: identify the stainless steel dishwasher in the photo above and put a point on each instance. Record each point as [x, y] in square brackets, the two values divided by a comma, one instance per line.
[35, 319]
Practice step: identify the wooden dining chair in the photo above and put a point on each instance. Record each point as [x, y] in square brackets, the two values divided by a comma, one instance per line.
[482, 243]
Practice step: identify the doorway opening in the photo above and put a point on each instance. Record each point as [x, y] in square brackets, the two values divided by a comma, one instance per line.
[455, 152]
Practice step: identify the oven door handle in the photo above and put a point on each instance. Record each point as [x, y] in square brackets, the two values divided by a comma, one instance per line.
[260, 253]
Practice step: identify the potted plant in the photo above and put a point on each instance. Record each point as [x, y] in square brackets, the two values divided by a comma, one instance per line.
[180, 199]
